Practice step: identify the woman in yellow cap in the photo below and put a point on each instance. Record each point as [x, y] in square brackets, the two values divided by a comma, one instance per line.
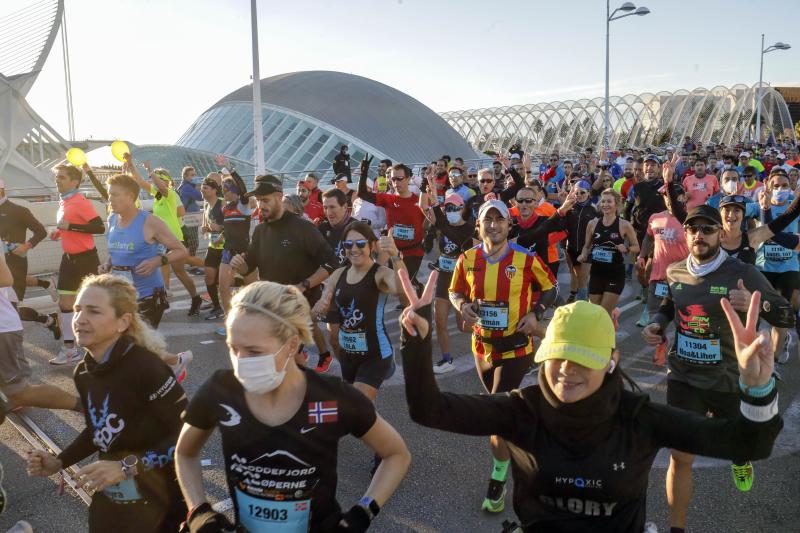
[581, 445]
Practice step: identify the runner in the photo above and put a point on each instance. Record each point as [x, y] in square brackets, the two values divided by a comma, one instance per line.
[135, 240]
[499, 288]
[283, 422]
[457, 185]
[132, 405]
[341, 183]
[605, 249]
[703, 375]
[533, 209]
[287, 249]
[577, 220]
[167, 207]
[490, 188]
[15, 371]
[582, 446]
[700, 186]
[213, 225]
[77, 222]
[311, 208]
[190, 197]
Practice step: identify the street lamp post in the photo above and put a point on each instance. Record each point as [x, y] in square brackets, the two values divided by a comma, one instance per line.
[630, 9]
[258, 132]
[777, 46]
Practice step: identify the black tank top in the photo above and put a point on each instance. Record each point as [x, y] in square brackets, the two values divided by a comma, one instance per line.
[744, 253]
[361, 305]
[604, 244]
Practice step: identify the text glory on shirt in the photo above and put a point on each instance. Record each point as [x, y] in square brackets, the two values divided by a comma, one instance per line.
[282, 478]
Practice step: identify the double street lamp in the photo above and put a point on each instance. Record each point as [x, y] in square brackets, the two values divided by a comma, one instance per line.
[777, 46]
[628, 8]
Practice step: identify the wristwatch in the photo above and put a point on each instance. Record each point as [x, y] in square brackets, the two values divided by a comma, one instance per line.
[130, 466]
[305, 284]
[370, 506]
[164, 259]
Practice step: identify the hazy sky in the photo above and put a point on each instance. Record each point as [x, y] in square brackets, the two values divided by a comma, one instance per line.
[143, 70]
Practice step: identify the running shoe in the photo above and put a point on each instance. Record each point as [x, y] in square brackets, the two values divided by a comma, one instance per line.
[444, 366]
[179, 368]
[67, 356]
[194, 310]
[644, 319]
[21, 527]
[53, 325]
[784, 354]
[52, 289]
[216, 314]
[207, 305]
[324, 364]
[221, 332]
[495, 500]
[743, 476]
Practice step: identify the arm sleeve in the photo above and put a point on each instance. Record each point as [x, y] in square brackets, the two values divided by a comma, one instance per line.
[363, 190]
[166, 400]
[94, 227]
[251, 256]
[774, 308]
[787, 240]
[79, 449]
[736, 439]
[678, 209]
[239, 183]
[787, 217]
[97, 185]
[36, 228]
[458, 413]
[528, 238]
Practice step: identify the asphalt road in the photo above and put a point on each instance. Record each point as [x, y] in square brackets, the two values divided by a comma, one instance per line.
[447, 480]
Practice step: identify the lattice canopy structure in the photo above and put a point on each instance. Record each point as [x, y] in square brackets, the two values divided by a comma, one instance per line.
[720, 115]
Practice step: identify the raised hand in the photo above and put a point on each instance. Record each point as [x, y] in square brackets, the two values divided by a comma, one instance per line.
[221, 161]
[503, 160]
[668, 168]
[753, 347]
[409, 319]
[366, 163]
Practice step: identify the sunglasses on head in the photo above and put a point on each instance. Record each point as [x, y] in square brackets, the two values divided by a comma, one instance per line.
[736, 198]
[705, 229]
[348, 244]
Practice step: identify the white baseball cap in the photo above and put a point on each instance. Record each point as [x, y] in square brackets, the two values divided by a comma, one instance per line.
[494, 204]
[745, 154]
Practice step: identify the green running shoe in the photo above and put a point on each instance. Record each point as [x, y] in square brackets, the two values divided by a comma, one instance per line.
[743, 476]
[495, 500]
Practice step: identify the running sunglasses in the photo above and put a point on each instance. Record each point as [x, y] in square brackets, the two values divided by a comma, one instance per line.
[525, 200]
[705, 229]
[486, 181]
[451, 208]
[361, 243]
[399, 178]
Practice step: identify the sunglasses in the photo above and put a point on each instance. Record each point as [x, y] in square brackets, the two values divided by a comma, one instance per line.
[361, 243]
[455, 175]
[735, 198]
[525, 200]
[705, 229]
[401, 178]
[486, 181]
[451, 208]
[473, 175]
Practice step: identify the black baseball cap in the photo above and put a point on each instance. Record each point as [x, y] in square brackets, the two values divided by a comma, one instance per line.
[704, 211]
[652, 157]
[733, 199]
[266, 184]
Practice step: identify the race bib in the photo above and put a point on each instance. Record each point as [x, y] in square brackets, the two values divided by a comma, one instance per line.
[127, 275]
[272, 516]
[776, 252]
[447, 264]
[701, 351]
[403, 232]
[601, 255]
[353, 341]
[661, 289]
[124, 491]
[493, 315]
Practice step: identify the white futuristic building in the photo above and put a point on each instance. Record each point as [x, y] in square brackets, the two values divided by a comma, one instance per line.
[720, 115]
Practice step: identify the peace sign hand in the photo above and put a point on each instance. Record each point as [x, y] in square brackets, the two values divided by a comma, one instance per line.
[409, 319]
[503, 160]
[668, 168]
[366, 163]
[753, 348]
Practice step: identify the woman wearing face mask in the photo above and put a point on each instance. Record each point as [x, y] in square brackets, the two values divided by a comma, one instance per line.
[280, 426]
[454, 237]
[605, 250]
[132, 405]
[579, 423]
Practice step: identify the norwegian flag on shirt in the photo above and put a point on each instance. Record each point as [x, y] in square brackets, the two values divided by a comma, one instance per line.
[322, 412]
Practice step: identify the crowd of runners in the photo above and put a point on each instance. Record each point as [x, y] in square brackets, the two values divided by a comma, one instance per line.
[707, 235]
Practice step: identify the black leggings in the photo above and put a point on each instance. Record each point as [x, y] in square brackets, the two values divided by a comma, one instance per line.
[504, 375]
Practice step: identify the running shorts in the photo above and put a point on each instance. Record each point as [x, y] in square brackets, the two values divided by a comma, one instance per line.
[784, 282]
[702, 401]
[504, 375]
[152, 307]
[365, 369]
[605, 279]
[213, 258]
[443, 285]
[75, 267]
[14, 367]
[190, 240]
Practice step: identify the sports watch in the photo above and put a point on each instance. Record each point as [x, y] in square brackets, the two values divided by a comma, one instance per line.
[130, 466]
[370, 506]
[164, 259]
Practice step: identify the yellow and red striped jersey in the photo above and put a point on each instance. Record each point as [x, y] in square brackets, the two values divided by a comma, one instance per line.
[506, 289]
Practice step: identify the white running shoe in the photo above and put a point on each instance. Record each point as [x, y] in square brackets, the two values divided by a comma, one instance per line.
[67, 356]
[784, 354]
[179, 368]
[21, 527]
[52, 290]
[444, 366]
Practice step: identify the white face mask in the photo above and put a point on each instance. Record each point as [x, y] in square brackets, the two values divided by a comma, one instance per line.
[258, 374]
[453, 218]
[729, 187]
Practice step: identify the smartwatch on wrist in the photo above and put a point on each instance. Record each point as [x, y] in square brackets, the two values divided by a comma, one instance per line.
[130, 466]
[370, 506]
[164, 260]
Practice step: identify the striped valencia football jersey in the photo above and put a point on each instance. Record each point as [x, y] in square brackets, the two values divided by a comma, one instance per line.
[505, 289]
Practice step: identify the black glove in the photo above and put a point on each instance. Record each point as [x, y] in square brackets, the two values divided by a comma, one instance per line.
[430, 239]
[205, 520]
[365, 164]
[356, 520]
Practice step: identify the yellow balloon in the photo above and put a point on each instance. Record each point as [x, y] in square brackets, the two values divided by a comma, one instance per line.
[119, 149]
[76, 157]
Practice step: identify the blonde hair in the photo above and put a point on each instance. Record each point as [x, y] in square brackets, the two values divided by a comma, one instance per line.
[613, 192]
[126, 182]
[284, 305]
[124, 300]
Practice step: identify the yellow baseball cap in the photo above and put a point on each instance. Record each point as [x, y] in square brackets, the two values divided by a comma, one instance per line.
[580, 332]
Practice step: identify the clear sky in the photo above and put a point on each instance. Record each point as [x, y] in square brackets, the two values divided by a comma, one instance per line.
[143, 70]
